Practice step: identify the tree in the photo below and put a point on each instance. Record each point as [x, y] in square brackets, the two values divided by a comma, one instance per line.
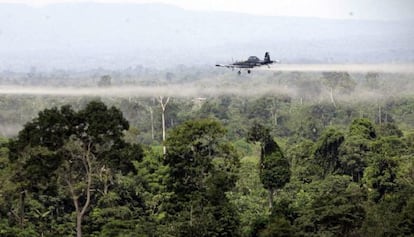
[249, 196]
[275, 226]
[104, 81]
[363, 127]
[308, 89]
[354, 153]
[202, 168]
[274, 167]
[334, 208]
[63, 151]
[163, 107]
[389, 129]
[407, 218]
[338, 81]
[381, 177]
[371, 80]
[13, 217]
[326, 153]
[217, 108]
[303, 166]
[77, 171]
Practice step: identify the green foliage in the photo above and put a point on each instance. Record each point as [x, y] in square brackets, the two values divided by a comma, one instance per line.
[276, 226]
[7, 231]
[60, 155]
[389, 129]
[249, 196]
[216, 109]
[383, 218]
[329, 182]
[267, 110]
[275, 170]
[192, 149]
[326, 153]
[335, 208]
[354, 154]
[406, 224]
[390, 146]
[408, 139]
[304, 168]
[274, 167]
[199, 162]
[358, 149]
[381, 177]
[152, 175]
[362, 127]
[245, 148]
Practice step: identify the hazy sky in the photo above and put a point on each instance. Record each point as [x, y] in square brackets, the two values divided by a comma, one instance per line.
[357, 9]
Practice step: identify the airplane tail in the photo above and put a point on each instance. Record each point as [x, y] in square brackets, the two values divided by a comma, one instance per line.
[267, 57]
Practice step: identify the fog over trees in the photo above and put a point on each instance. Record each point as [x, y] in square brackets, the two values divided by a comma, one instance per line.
[114, 121]
[269, 163]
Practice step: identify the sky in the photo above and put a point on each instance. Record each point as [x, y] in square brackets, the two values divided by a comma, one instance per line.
[337, 9]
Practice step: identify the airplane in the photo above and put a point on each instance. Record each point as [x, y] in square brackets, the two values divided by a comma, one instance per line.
[250, 63]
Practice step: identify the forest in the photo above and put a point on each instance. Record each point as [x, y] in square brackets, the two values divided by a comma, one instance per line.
[269, 154]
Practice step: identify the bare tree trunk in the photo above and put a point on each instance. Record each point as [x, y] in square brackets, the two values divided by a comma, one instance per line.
[191, 214]
[21, 219]
[274, 111]
[271, 192]
[78, 225]
[80, 211]
[104, 177]
[76, 204]
[152, 122]
[164, 148]
[332, 97]
[379, 114]
[163, 106]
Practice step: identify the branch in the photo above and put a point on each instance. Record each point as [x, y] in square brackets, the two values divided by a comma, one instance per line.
[163, 105]
[89, 181]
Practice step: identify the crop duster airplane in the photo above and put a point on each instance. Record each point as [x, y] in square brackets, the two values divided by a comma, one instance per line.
[250, 63]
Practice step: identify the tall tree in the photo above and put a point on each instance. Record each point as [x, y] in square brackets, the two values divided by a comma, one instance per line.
[326, 153]
[353, 156]
[338, 81]
[364, 128]
[202, 168]
[274, 167]
[163, 104]
[357, 149]
[77, 171]
[63, 151]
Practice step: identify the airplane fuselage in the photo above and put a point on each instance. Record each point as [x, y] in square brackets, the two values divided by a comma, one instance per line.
[251, 62]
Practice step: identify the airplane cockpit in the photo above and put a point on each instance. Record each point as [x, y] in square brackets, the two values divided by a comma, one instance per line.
[253, 59]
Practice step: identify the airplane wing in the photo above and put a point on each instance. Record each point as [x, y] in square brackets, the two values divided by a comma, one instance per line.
[238, 65]
[226, 65]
